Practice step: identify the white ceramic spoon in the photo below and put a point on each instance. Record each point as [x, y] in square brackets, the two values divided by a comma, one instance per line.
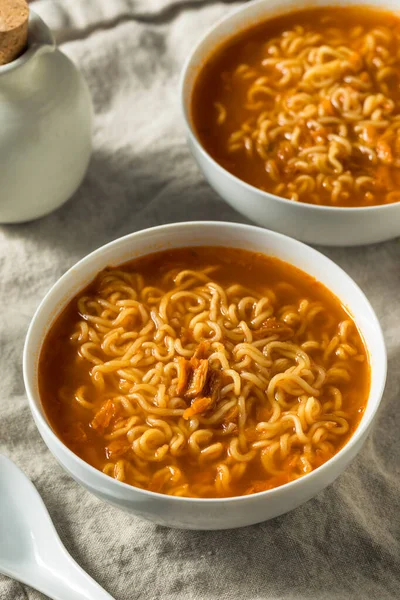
[30, 549]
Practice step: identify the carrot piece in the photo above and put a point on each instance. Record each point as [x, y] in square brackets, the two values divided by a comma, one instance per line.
[184, 372]
[117, 448]
[202, 350]
[273, 327]
[213, 385]
[103, 417]
[198, 379]
[328, 107]
[199, 406]
[370, 134]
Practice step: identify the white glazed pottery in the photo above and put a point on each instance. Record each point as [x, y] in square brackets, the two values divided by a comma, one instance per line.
[30, 549]
[46, 128]
[194, 513]
[325, 225]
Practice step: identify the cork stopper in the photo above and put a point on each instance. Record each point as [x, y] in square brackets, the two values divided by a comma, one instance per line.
[14, 16]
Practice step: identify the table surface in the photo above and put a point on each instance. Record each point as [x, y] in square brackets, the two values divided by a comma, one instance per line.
[342, 544]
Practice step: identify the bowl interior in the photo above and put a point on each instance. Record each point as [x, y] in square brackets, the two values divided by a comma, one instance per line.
[242, 19]
[213, 234]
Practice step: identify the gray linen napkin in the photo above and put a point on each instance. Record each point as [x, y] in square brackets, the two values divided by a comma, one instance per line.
[345, 542]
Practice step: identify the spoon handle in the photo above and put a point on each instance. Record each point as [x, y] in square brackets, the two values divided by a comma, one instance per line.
[67, 581]
[30, 548]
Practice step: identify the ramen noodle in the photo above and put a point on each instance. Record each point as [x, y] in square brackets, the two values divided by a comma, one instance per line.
[306, 106]
[204, 372]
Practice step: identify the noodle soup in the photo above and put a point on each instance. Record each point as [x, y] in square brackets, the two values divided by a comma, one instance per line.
[204, 372]
[306, 106]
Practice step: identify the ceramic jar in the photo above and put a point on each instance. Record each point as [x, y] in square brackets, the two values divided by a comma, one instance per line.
[46, 128]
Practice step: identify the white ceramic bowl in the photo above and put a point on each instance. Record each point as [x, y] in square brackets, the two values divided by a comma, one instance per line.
[205, 513]
[313, 224]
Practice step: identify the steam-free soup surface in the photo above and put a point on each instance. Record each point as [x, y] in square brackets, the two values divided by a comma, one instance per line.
[306, 106]
[205, 372]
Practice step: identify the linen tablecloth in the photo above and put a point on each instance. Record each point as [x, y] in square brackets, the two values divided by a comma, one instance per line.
[342, 544]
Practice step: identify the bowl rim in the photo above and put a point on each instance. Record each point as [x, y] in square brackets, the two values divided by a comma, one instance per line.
[185, 111]
[41, 421]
